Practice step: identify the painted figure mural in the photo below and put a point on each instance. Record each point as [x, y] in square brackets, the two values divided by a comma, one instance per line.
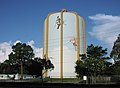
[58, 22]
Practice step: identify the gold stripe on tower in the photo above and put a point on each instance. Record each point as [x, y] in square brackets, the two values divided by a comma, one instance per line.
[77, 35]
[61, 44]
[47, 31]
[84, 30]
[47, 41]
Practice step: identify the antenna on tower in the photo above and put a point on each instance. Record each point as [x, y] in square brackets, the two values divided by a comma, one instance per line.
[64, 10]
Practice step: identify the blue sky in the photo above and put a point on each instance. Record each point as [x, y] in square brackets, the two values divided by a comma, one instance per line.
[23, 20]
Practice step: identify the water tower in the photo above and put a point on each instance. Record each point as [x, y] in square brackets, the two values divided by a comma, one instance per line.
[64, 39]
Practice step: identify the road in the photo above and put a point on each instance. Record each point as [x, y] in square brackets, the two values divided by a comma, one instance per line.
[54, 85]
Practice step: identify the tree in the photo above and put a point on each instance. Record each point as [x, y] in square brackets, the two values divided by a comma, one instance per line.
[20, 55]
[80, 69]
[115, 53]
[21, 61]
[93, 63]
[7, 68]
[38, 65]
[115, 69]
[46, 64]
[35, 68]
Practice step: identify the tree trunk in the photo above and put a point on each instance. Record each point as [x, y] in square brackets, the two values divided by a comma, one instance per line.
[95, 78]
[21, 70]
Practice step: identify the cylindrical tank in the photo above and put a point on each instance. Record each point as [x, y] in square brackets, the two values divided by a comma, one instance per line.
[64, 40]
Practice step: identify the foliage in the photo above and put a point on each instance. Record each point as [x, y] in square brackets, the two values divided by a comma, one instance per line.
[32, 67]
[115, 68]
[21, 61]
[96, 52]
[35, 68]
[93, 63]
[115, 53]
[38, 65]
[80, 68]
[20, 53]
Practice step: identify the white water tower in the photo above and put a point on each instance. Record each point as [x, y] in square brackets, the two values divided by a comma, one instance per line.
[64, 39]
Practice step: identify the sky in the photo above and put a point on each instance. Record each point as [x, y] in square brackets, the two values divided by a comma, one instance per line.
[23, 21]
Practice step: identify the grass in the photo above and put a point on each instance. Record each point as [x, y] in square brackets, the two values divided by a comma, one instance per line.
[68, 80]
[54, 80]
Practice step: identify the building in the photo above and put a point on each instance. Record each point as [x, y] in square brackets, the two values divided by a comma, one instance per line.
[64, 39]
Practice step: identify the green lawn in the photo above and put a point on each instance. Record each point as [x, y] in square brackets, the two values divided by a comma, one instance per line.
[55, 80]
[69, 80]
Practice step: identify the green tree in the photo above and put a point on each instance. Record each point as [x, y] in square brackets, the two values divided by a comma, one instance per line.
[43, 65]
[115, 69]
[20, 61]
[47, 65]
[21, 54]
[115, 53]
[7, 68]
[35, 68]
[93, 63]
[40, 66]
[80, 69]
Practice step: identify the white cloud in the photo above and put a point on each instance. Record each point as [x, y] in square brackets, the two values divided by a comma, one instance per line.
[106, 28]
[31, 43]
[6, 49]
[18, 41]
[37, 51]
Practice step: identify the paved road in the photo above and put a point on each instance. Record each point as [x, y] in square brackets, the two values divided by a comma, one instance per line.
[53, 85]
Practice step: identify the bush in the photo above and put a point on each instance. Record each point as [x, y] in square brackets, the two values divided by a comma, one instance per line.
[115, 78]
